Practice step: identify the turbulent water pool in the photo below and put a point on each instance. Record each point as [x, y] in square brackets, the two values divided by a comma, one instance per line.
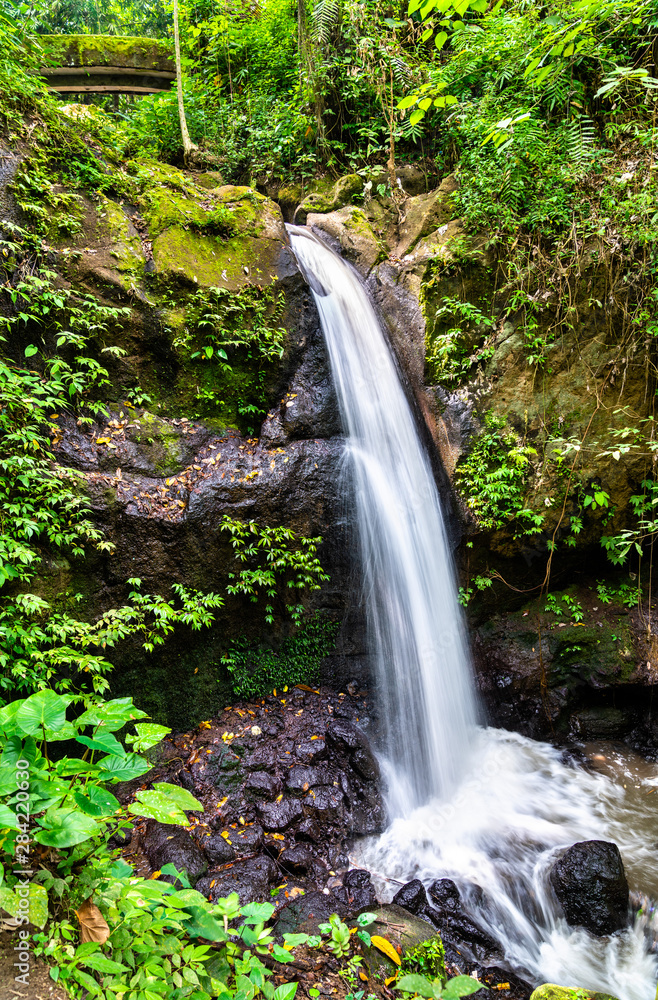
[498, 835]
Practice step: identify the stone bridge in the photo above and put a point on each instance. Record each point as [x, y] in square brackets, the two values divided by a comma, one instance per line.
[106, 64]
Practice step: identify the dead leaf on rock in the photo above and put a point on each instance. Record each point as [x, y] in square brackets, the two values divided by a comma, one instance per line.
[93, 926]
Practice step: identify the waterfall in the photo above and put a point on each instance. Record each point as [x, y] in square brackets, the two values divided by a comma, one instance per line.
[415, 630]
[491, 810]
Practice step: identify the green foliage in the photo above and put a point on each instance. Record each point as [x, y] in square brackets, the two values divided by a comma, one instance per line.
[339, 936]
[151, 949]
[574, 607]
[234, 330]
[629, 594]
[426, 959]
[453, 353]
[297, 660]
[435, 989]
[643, 505]
[493, 477]
[270, 555]
[69, 798]
[43, 507]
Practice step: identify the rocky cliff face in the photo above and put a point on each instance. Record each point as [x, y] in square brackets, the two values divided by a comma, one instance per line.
[218, 328]
[555, 383]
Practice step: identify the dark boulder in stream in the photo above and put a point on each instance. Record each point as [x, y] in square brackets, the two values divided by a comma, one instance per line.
[462, 937]
[590, 883]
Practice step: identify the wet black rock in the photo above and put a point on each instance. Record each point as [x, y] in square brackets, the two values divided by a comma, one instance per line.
[279, 815]
[590, 883]
[444, 894]
[248, 840]
[250, 879]
[309, 830]
[263, 785]
[412, 897]
[345, 737]
[297, 860]
[217, 849]
[300, 778]
[360, 890]
[461, 935]
[165, 844]
[302, 915]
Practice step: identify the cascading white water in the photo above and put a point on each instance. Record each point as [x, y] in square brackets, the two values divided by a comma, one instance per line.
[487, 808]
[415, 628]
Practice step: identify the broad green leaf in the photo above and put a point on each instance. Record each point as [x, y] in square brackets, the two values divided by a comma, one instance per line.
[199, 922]
[99, 963]
[416, 984]
[9, 901]
[65, 827]
[105, 742]
[38, 905]
[111, 715]
[416, 116]
[461, 986]
[286, 991]
[8, 819]
[99, 802]
[281, 955]
[170, 869]
[256, 913]
[31, 350]
[165, 803]
[8, 717]
[149, 734]
[294, 940]
[123, 768]
[43, 710]
[440, 39]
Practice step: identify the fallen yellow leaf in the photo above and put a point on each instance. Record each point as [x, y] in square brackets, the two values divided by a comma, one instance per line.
[386, 948]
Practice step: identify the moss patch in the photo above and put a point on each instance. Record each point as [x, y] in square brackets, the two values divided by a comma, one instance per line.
[109, 50]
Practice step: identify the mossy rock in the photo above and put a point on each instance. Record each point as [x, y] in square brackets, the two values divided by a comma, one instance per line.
[549, 991]
[191, 258]
[346, 188]
[210, 179]
[322, 202]
[125, 243]
[402, 929]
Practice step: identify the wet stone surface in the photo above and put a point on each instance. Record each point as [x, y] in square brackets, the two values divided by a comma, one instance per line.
[288, 783]
[286, 786]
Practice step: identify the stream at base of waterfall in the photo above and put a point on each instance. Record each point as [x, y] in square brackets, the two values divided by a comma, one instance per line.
[489, 809]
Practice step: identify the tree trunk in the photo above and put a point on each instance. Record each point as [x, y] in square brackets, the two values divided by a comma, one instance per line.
[188, 145]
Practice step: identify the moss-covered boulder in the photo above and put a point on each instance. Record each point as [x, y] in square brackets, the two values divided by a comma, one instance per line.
[403, 930]
[551, 992]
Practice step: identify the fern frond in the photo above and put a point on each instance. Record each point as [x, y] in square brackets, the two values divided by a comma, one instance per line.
[325, 16]
[580, 139]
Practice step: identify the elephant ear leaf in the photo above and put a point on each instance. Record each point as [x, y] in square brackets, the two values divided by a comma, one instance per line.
[166, 804]
[416, 984]
[43, 710]
[461, 986]
[65, 828]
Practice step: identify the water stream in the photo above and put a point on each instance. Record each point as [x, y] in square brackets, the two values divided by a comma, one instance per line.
[488, 808]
